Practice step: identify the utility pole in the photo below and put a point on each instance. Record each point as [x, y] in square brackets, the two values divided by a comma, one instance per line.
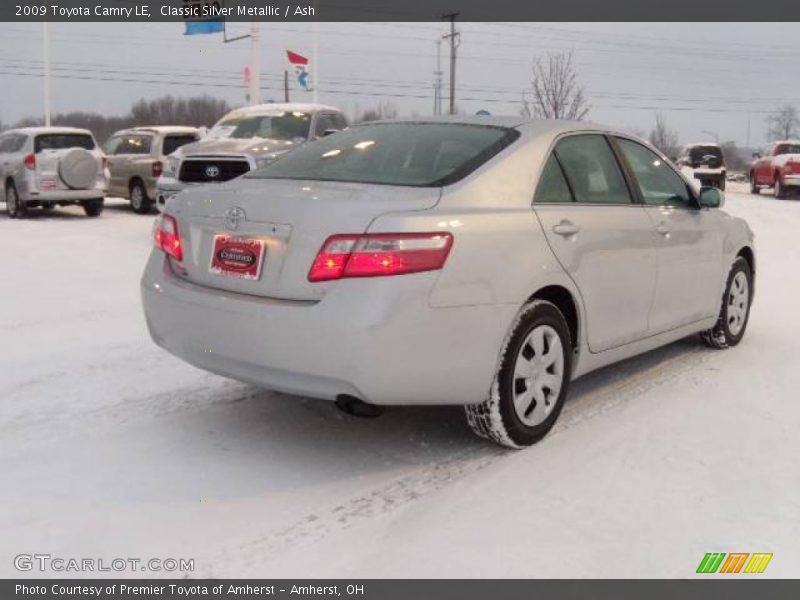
[455, 40]
[437, 81]
[286, 86]
[46, 49]
[315, 58]
[255, 63]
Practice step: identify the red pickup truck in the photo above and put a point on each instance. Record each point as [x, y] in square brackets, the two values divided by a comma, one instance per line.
[778, 168]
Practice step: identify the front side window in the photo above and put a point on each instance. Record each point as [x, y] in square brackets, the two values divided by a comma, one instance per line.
[60, 141]
[592, 170]
[552, 185]
[658, 183]
[412, 154]
[274, 126]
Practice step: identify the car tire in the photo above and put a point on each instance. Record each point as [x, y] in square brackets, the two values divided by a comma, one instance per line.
[754, 189]
[141, 204]
[14, 207]
[780, 189]
[735, 310]
[538, 346]
[93, 208]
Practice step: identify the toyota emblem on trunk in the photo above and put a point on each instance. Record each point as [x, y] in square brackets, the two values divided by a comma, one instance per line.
[233, 217]
[212, 171]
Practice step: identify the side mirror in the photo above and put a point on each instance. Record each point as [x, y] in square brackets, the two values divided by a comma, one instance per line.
[711, 197]
[756, 155]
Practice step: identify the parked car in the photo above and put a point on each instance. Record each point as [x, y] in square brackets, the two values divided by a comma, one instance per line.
[778, 168]
[480, 261]
[51, 166]
[704, 163]
[243, 140]
[136, 159]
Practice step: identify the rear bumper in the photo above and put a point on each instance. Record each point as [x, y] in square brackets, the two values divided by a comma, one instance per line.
[791, 180]
[61, 195]
[377, 340]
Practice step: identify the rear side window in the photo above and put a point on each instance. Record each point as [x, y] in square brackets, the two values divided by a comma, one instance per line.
[60, 141]
[411, 154]
[134, 144]
[592, 170]
[552, 185]
[173, 142]
[658, 183]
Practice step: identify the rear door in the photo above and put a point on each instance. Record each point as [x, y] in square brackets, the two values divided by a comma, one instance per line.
[116, 186]
[601, 238]
[49, 148]
[689, 240]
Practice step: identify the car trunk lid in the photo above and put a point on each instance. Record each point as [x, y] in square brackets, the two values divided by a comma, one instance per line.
[290, 219]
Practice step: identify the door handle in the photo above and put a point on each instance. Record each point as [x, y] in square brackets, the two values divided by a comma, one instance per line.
[663, 229]
[566, 228]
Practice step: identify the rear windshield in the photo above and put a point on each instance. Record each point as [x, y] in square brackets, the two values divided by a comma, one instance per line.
[173, 142]
[59, 141]
[411, 154]
[699, 152]
[789, 149]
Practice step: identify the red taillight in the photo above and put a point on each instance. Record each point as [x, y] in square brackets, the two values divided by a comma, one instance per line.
[158, 168]
[29, 161]
[792, 167]
[380, 254]
[167, 236]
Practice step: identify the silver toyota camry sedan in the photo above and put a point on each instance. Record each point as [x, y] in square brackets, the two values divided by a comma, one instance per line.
[480, 261]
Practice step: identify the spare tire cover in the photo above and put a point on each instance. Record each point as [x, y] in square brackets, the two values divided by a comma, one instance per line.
[78, 169]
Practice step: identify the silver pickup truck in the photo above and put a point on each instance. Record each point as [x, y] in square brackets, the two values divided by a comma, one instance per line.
[243, 140]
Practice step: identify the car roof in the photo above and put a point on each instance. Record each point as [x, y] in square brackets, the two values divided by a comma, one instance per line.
[159, 129]
[786, 142]
[285, 107]
[531, 128]
[36, 130]
[706, 144]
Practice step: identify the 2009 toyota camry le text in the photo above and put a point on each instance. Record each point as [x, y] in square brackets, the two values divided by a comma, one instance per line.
[478, 261]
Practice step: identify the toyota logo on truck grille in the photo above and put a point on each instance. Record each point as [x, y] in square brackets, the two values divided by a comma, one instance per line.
[212, 171]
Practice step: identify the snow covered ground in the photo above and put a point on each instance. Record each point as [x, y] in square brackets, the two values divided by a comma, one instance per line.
[111, 448]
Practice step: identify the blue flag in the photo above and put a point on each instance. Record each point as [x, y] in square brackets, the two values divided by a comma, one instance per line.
[210, 26]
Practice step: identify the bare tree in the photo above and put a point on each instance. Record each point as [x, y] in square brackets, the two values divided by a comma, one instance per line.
[381, 112]
[784, 124]
[556, 93]
[664, 138]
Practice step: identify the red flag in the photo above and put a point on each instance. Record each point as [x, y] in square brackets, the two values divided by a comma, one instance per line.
[296, 59]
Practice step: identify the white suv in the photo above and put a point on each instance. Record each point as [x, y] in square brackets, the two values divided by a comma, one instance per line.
[49, 166]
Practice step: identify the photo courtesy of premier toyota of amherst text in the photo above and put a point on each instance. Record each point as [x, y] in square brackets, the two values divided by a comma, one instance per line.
[371, 299]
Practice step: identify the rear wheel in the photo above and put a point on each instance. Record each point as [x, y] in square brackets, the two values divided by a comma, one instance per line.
[92, 208]
[780, 189]
[531, 383]
[15, 208]
[735, 310]
[140, 202]
[754, 189]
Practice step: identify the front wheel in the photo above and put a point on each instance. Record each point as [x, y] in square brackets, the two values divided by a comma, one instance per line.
[93, 208]
[754, 189]
[735, 310]
[531, 382]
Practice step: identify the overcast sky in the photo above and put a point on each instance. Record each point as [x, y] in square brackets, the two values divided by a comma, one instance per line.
[708, 80]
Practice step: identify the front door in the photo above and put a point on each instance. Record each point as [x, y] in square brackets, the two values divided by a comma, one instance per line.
[689, 241]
